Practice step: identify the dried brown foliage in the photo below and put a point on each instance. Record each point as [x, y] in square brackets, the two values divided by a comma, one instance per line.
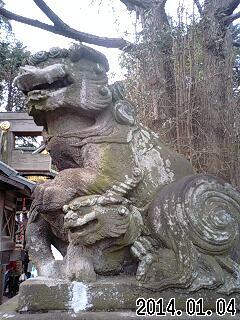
[181, 78]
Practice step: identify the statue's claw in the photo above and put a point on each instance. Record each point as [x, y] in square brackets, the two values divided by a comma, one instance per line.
[143, 267]
[143, 250]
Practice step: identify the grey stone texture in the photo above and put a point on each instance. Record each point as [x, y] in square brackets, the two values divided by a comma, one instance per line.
[9, 310]
[106, 294]
[100, 316]
[123, 204]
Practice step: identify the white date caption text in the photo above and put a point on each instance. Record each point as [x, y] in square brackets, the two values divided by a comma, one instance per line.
[193, 307]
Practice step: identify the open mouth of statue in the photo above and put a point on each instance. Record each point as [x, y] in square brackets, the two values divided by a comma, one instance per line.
[89, 226]
[42, 89]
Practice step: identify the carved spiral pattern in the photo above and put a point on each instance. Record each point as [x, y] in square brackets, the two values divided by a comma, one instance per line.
[42, 56]
[124, 112]
[198, 218]
[213, 213]
[118, 91]
[38, 57]
[74, 53]
[57, 52]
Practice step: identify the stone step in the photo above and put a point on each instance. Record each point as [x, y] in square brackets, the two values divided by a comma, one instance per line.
[106, 294]
[101, 316]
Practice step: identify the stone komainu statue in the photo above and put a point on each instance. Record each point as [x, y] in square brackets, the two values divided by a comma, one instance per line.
[122, 202]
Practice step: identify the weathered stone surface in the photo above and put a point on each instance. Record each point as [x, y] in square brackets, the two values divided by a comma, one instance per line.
[100, 150]
[106, 294]
[44, 294]
[101, 316]
[123, 204]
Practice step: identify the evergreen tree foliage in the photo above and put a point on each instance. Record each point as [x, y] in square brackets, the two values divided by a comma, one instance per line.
[12, 55]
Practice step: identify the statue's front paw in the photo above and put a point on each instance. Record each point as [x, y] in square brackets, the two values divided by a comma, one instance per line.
[80, 270]
[82, 275]
[50, 197]
[143, 250]
[54, 198]
[51, 269]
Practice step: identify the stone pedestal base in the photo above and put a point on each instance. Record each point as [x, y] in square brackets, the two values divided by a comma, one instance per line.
[103, 316]
[107, 294]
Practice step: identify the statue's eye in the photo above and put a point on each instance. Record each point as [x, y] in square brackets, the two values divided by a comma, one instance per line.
[123, 211]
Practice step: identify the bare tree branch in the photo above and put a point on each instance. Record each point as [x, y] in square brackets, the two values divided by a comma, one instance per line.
[50, 14]
[68, 32]
[200, 10]
[162, 13]
[233, 17]
[236, 44]
[230, 7]
[162, 4]
[142, 4]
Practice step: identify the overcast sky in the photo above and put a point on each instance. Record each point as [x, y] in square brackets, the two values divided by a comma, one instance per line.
[109, 19]
[81, 15]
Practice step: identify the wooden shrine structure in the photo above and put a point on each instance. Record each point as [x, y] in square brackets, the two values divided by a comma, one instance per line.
[20, 166]
[12, 185]
[26, 160]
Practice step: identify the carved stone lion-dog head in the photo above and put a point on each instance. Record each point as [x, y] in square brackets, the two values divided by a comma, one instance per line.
[90, 219]
[73, 79]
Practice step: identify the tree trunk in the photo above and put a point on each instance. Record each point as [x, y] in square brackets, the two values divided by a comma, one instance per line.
[9, 106]
[186, 86]
[216, 88]
[159, 62]
[155, 70]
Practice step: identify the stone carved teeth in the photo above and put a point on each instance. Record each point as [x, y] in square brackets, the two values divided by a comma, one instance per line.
[65, 208]
[79, 224]
[50, 78]
[37, 92]
[88, 217]
[73, 216]
[37, 95]
[75, 206]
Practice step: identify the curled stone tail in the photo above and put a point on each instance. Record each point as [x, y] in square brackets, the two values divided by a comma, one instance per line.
[198, 218]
